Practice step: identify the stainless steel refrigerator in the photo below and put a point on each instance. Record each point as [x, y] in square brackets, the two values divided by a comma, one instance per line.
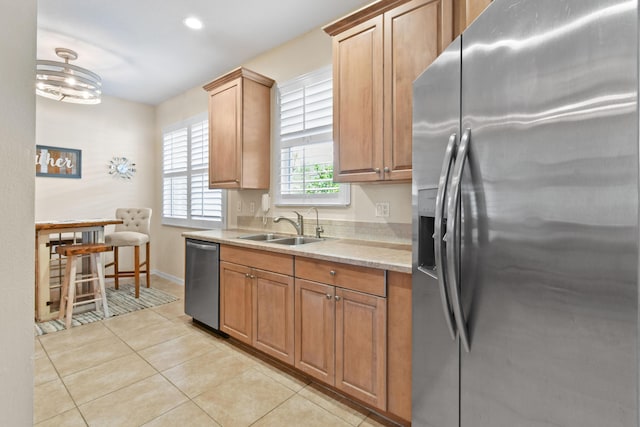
[525, 220]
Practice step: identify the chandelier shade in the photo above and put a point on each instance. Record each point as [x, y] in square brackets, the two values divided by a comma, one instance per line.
[65, 82]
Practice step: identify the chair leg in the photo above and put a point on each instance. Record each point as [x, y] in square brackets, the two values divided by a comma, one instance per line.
[71, 294]
[136, 262]
[115, 267]
[93, 271]
[148, 264]
[65, 290]
[100, 288]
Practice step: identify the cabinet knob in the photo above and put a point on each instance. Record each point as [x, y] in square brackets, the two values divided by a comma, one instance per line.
[386, 169]
[328, 296]
[332, 272]
[247, 275]
[376, 170]
[252, 276]
[337, 298]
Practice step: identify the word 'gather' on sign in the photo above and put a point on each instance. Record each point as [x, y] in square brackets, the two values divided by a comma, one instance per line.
[46, 159]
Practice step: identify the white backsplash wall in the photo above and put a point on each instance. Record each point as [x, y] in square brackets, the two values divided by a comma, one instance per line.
[357, 221]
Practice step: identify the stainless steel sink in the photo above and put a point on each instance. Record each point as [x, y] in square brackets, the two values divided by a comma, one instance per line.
[294, 241]
[263, 237]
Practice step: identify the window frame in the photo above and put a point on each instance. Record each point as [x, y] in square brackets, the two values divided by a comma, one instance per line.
[340, 199]
[190, 222]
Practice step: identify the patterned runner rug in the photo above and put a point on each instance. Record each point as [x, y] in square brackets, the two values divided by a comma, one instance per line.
[120, 301]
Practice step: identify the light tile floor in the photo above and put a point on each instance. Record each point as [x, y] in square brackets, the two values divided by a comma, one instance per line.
[154, 367]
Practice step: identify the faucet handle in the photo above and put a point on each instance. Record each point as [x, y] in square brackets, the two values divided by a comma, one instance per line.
[300, 226]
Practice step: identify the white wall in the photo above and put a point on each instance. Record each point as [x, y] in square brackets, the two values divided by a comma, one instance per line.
[17, 124]
[296, 57]
[114, 127]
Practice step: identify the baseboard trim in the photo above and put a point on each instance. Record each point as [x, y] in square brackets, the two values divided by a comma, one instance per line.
[174, 279]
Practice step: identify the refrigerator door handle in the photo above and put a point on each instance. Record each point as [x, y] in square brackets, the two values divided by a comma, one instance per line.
[438, 241]
[453, 207]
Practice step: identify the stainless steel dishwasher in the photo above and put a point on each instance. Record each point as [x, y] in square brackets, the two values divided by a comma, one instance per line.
[202, 282]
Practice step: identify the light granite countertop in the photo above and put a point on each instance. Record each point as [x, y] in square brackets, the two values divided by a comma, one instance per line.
[387, 256]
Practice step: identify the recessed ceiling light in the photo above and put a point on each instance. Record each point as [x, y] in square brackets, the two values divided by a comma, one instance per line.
[193, 23]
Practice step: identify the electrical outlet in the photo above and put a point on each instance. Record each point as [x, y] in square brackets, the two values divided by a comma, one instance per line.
[382, 209]
[252, 207]
[239, 206]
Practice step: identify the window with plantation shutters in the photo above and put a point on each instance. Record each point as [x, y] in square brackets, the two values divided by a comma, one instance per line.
[305, 152]
[186, 198]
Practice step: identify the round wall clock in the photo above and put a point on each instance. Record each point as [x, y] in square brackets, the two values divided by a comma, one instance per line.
[122, 167]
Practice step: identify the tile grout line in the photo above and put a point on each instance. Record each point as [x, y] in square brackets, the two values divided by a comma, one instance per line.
[75, 404]
[274, 408]
[337, 400]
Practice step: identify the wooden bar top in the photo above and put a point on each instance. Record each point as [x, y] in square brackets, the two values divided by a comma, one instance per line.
[72, 223]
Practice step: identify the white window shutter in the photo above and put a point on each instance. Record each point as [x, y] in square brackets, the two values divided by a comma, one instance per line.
[186, 197]
[306, 144]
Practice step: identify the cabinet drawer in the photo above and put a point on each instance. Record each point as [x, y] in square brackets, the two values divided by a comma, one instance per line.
[268, 261]
[363, 279]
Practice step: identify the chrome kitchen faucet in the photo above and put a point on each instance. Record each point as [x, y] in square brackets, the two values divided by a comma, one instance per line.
[299, 226]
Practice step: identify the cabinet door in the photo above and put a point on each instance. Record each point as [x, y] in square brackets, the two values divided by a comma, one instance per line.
[273, 314]
[235, 301]
[361, 346]
[314, 329]
[225, 135]
[414, 35]
[357, 102]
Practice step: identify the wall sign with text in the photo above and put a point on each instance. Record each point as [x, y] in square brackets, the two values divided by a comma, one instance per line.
[58, 162]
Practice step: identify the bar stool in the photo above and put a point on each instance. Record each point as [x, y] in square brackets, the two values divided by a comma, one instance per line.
[134, 231]
[68, 297]
[57, 263]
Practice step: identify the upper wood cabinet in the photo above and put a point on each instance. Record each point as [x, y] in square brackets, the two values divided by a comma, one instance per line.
[465, 12]
[239, 130]
[378, 52]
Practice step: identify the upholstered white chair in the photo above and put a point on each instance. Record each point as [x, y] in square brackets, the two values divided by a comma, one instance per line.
[134, 231]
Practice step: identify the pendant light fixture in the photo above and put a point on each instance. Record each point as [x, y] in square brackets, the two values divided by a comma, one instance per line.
[63, 81]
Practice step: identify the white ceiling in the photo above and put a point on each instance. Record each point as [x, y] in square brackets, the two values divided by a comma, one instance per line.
[144, 53]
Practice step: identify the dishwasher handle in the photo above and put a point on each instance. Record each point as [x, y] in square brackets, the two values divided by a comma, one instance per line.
[205, 247]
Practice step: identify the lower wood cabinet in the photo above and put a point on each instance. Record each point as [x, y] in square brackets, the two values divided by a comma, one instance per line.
[256, 305]
[361, 346]
[236, 301]
[333, 321]
[273, 314]
[399, 344]
[341, 336]
[315, 321]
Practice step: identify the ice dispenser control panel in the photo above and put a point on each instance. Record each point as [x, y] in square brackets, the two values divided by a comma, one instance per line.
[426, 223]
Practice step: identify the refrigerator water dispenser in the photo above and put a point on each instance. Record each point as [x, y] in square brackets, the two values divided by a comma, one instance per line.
[426, 224]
